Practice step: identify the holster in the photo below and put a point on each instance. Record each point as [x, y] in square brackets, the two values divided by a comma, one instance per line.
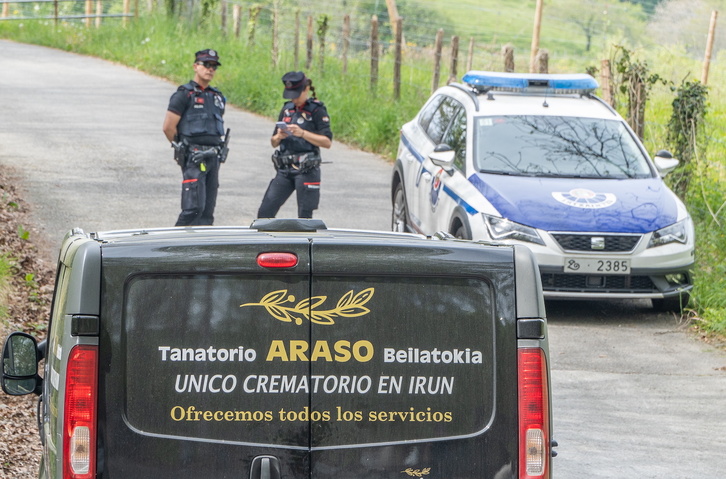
[180, 153]
[302, 161]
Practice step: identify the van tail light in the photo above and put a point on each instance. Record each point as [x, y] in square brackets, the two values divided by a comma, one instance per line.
[277, 260]
[534, 427]
[79, 413]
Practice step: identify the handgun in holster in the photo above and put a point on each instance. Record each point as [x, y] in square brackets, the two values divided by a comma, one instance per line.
[224, 150]
[180, 151]
[309, 161]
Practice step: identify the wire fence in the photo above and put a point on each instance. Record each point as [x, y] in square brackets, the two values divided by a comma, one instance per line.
[90, 11]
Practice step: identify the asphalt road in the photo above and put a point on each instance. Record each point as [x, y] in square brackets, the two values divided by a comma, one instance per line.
[634, 394]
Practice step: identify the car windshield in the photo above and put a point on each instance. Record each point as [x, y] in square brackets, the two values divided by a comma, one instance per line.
[557, 146]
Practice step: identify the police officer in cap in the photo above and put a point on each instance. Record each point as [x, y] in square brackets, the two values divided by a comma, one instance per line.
[195, 126]
[303, 128]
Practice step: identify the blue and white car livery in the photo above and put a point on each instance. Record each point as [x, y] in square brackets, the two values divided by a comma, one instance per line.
[538, 159]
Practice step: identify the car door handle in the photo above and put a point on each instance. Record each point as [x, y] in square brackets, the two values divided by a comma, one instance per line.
[265, 467]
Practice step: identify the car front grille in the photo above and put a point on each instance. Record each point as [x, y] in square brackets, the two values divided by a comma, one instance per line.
[612, 243]
[597, 284]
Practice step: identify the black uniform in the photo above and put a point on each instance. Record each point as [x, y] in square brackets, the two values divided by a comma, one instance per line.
[297, 161]
[200, 128]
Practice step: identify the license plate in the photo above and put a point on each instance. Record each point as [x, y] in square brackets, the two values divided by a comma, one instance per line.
[597, 266]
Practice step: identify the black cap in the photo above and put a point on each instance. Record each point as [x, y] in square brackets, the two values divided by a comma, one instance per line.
[295, 83]
[207, 55]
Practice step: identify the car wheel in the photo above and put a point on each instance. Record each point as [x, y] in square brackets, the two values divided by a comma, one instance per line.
[461, 232]
[674, 304]
[399, 219]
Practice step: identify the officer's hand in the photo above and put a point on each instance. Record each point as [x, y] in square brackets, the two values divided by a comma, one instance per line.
[295, 130]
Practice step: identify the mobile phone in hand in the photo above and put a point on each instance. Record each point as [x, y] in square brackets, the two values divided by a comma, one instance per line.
[282, 126]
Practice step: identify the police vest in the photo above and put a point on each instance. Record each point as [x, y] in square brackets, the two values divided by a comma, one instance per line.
[202, 121]
[304, 119]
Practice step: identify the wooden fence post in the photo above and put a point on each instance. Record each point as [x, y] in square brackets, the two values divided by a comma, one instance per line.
[309, 46]
[237, 19]
[398, 59]
[535, 35]
[223, 15]
[508, 57]
[296, 48]
[542, 61]
[6, 10]
[275, 48]
[453, 69]
[374, 52]
[252, 25]
[127, 10]
[470, 56]
[636, 113]
[606, 82]
[437, 59]
[709, 48]
[322, 30]
[99, 12]
[89, 11]
[346, 42]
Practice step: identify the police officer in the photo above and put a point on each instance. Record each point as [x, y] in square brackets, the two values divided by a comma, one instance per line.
[303, 128]
[194, 125]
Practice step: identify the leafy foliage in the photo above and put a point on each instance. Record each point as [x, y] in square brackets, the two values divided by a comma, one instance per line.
[686, 122]
[635, 81]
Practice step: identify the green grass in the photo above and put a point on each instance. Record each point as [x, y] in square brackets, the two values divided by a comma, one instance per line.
[5, 275]
[371, 120]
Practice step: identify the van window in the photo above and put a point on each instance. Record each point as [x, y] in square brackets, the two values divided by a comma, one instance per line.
[360, 360]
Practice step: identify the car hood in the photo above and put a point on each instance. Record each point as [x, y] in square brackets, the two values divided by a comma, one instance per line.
[579, 204]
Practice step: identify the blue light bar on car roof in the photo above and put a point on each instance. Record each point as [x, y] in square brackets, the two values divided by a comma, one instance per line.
[531, 82]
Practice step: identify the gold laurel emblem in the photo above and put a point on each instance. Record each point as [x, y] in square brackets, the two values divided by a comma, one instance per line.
[349, 306]
[417, 472]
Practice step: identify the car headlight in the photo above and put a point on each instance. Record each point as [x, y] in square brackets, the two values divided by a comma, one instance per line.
[675, 233]
[504, 229]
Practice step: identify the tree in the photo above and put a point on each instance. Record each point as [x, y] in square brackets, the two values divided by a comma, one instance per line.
[685, 22]
[598, 19]
[649, 6]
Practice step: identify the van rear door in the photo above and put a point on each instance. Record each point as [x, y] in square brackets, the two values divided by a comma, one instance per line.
[421, 376]
[186, 387]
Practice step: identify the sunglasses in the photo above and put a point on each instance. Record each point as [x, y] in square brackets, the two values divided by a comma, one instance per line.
[209, 65]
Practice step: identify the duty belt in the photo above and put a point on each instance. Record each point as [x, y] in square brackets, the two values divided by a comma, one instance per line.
[302, 160]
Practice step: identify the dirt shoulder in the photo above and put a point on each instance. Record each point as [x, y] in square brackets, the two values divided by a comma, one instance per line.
[25, 299]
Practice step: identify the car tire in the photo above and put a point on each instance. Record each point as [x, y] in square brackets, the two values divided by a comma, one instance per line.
[461, 232]
[674, 304]
[399, 217]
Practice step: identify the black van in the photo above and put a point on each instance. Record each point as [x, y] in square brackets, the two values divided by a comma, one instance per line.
[289, 350]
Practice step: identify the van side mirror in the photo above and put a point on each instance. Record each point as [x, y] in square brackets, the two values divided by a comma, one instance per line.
[20, 365]
[443, 156]
[665, 162]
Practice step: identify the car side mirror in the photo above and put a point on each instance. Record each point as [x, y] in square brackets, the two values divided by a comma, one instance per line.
[443, 156]
[20, 365]
[665, 162]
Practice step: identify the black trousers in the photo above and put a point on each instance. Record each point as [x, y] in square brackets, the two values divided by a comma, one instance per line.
[199, 194]
[305, 184]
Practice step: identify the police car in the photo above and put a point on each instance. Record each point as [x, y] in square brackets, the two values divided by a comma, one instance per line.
[539, 160]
